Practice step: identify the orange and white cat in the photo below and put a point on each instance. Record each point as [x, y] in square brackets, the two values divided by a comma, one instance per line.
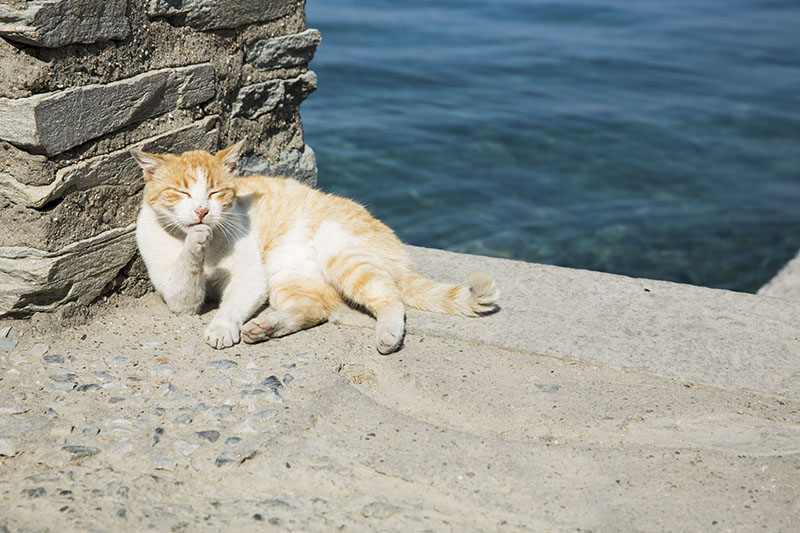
[203, 231]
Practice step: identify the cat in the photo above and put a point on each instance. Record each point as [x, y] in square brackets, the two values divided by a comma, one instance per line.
[205, 232]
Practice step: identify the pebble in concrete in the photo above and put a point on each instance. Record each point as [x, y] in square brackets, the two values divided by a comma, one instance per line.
[210, 435]
[8, 344]
[222, 364]
[7, 448]
[81, 452]
[185, 448]
[164, 463]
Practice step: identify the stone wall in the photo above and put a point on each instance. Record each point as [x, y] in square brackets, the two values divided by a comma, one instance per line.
[84, 81]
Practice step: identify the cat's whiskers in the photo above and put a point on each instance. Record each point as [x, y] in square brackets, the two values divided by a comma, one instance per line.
[231, 226]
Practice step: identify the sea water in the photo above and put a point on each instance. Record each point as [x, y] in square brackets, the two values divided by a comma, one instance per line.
[650, 138]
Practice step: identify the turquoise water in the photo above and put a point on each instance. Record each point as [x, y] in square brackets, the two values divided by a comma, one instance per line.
[656, 139]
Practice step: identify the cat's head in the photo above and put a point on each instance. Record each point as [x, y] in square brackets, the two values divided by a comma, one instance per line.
[191, 188]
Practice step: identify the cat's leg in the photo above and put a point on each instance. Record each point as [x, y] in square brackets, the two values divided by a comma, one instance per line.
[183, 285]
[244, 293]
[294, 304]
[364, 280]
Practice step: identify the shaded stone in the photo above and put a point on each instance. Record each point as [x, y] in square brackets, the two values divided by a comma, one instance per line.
[296, 164]
[53, 122]
[18, 73]
[21, 167]
[34, 280]
[117, 169]
[284, 51]
[87, 387]
[205, 15]
[54, 23]
[259, 99]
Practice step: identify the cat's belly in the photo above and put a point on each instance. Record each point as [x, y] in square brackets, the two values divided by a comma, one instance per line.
[291, 261]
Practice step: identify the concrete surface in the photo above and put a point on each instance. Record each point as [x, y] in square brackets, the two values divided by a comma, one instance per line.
[786, 283]
[589, 402]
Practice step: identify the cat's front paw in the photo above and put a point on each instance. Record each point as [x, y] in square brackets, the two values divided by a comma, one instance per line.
[197, 239]
[221, 334]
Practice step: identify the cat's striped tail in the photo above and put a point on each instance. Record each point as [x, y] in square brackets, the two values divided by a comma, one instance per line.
[478, 299]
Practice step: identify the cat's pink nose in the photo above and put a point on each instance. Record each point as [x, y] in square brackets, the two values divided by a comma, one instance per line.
[201, 212]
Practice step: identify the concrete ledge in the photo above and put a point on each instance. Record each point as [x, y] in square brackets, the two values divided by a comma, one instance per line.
[717, 337]
[786, 283]
[590, 401]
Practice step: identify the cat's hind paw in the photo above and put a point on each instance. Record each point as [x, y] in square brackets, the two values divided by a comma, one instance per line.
[257, 330]
[389, 336]
[221, 334]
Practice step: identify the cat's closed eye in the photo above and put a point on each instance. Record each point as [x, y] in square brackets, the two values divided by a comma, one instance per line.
[180, 192]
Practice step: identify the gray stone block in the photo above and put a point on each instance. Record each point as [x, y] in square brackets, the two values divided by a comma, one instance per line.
[259, 99]
[34, 280]
[297, 164]
[20, 71]
[116, 168]
[218, 14]
[54, 23]
[285, 51]
[57, 121]
[28, 169]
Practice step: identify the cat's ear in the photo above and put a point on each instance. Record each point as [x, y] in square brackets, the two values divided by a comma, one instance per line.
[229, 157]
[148, 162]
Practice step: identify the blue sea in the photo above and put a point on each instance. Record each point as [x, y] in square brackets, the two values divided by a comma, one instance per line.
[651, 138]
